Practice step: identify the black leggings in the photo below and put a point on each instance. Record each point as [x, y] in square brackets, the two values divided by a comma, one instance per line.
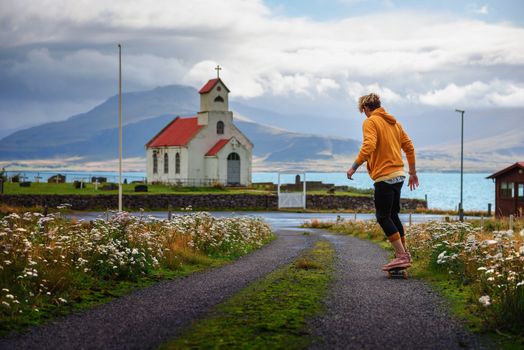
[387, 207]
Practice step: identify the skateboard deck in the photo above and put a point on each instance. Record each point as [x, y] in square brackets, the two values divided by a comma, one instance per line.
[398, 272]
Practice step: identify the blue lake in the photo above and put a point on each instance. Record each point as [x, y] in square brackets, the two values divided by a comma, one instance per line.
[442, 189]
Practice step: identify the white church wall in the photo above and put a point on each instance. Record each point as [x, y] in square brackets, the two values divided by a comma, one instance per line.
[207, 100]
[171, 175]
[245, 169]
[211, 169]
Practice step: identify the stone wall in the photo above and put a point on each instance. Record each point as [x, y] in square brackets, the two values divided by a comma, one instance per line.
[197, 201]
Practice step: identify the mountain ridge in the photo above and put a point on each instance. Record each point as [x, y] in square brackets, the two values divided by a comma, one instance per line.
[92, 136]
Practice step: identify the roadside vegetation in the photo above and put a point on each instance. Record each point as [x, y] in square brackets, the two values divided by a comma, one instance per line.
[129, 189]
[51, 266]
[271, 313]
[478, 266]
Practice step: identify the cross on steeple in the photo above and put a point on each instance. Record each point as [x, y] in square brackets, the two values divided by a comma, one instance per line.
[218, 69]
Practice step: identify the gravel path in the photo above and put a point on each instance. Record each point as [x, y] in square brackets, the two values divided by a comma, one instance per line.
[151, 316]
[365, 310]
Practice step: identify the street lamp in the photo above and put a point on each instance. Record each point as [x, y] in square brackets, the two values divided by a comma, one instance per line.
[119, 127]
[461, 205]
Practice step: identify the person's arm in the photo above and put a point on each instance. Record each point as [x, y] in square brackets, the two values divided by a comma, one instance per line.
[407, 146]
[369, 144]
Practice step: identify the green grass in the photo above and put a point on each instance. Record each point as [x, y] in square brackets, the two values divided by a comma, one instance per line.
[89, 189]
[271, 313]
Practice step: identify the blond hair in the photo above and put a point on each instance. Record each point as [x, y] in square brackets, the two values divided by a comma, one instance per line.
[371, 101]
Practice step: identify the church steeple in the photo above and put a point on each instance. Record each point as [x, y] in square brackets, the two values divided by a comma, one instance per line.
[214, 95]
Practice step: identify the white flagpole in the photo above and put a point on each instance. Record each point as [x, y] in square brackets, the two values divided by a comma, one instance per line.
[119, 127]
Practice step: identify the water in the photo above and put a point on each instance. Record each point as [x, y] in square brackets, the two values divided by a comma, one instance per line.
[442, 189]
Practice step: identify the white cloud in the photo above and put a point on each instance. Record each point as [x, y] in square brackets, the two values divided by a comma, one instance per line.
[477, 94]
[323, 85]
[355, 90]
[482, 10]
[406, 57]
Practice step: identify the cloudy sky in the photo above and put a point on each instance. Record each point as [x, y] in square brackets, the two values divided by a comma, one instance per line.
[59, 57]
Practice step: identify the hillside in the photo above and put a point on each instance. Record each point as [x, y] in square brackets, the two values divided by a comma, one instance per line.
[491, 142]
[93, 136]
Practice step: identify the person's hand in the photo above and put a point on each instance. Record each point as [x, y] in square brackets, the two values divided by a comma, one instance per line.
[413, 181]
[350, 173]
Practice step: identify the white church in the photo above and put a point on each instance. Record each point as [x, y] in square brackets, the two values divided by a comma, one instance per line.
[204, 149]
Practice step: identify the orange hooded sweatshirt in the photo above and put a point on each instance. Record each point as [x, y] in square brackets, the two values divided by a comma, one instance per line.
[383, 139]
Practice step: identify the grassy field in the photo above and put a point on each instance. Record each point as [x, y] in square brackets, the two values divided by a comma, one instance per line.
[271, 313]
[89, 189]
[129, 189]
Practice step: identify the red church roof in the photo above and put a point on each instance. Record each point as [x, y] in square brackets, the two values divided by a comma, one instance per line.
[177, 133]
[210, 85]
[217, 147]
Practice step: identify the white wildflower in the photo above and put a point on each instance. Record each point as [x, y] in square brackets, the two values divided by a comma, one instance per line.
[485, 300]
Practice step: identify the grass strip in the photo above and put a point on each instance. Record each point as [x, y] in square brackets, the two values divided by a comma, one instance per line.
[271, 313]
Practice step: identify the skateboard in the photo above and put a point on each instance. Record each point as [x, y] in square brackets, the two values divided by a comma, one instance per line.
[398, 272]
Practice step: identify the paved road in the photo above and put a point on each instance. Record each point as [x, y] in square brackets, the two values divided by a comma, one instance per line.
[365, 310]
[149, 317]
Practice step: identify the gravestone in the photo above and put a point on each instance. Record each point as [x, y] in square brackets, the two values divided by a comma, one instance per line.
[141, 188]
[25, 184]
[110, 187]
[99, 179]
[78, 184]
[57, 179]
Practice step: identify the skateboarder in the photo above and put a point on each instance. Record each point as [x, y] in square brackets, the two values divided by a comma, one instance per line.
[383, 139]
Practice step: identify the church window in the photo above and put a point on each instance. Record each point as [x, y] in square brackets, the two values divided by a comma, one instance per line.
[233, 156]
[220, 127]
[155, 163]
[177, 163]
[166, 163]
[219, 99]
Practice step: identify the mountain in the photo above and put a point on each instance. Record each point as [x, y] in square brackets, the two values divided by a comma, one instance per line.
[493, 138]
[93, 136]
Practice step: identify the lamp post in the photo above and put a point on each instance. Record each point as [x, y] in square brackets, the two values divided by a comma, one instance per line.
[119, 127]
[461, 205]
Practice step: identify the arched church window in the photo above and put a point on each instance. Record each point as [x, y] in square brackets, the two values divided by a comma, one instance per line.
[166, 163]
[219, 99]
[155, 163]
[233, 156]
[177, 163]
[220, 127]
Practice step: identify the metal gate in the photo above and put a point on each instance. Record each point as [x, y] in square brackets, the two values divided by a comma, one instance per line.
[233, 169]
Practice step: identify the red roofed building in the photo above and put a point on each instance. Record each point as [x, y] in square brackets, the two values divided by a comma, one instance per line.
[203, 149]
[509, 190]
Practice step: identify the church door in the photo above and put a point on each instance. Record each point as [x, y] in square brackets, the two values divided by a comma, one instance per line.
[233, 169]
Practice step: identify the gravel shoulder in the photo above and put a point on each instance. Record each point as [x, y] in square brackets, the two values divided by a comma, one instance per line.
[147, 318]
[366, 310]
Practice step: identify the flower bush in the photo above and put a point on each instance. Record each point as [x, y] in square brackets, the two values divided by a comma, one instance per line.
[45, 259]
